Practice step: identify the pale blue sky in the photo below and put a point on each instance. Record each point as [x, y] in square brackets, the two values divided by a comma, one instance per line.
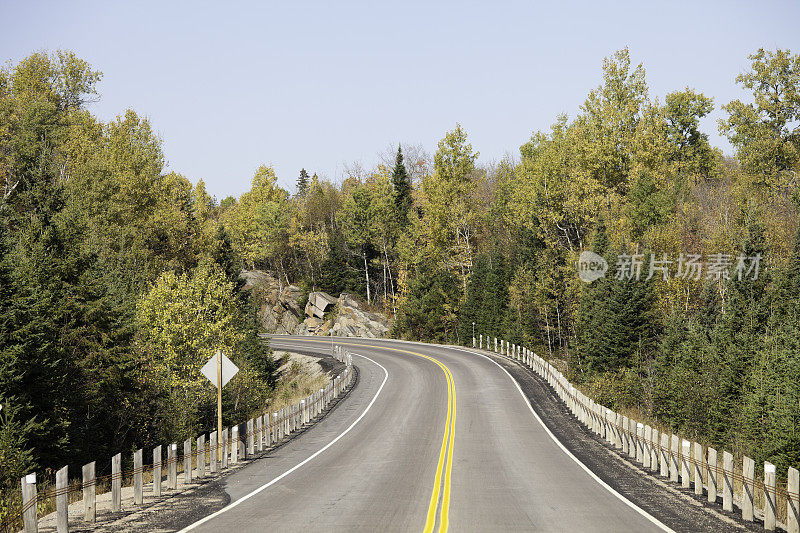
[229, 86]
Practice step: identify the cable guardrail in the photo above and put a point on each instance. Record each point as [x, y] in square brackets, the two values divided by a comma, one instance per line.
[679, 460]
[260, 433]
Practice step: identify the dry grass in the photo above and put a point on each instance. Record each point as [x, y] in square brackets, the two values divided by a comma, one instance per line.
[300, 376]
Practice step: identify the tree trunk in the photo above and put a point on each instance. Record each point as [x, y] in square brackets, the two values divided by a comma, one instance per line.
[311, 269]
[391, 280]
[366, 275]
[558, 317]
[547, 326]
[461, 260]
[384, 284]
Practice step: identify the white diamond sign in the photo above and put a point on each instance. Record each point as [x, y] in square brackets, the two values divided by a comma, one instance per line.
[229, 370]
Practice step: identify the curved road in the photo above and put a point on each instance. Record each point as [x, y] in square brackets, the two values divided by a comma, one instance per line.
[431, 437]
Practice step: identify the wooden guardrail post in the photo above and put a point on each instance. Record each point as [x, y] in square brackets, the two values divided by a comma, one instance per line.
[674, 462]
[157, 462]
[251, 438]
[624, 434]
[648, 443]
[769, 496]
[234, 444]
[686, 452]
[201, 456]
[727, 481]
[793, 501]
[713, 477]
[615, 430]
[275, 437]
[698, 468]
[29, 503]
[187, 461]
[89, 488]
[138, 469]
[213, 445]
[639, 443]
[664, 460]
[260, 433]
[654, 453]
[224, 448]
[116, 483]
[629, 436]
[299, 407]
[241, 429]
[597, 427]
[748, 482]
[62, 500]
[172, 466]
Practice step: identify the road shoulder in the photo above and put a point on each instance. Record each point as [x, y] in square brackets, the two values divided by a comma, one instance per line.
[676, 508]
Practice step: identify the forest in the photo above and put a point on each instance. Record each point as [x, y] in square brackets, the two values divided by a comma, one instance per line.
[117, 282]
[119, 279]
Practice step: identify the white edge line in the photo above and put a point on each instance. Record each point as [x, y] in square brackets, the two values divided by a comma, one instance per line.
[594, 476]
[315, 454]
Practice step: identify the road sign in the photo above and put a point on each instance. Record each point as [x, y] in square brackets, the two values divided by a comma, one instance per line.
[229, 370]
[219, 370]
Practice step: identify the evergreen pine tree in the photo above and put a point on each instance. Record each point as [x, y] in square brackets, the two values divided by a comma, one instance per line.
[302, 184]
[430, 312]
[401, 183]
[471, 310]
[593, 310]
[738, 339]
[617, 323]
[16, 457]
[341, 271]
[771, 413]
[495, 302]
[224, 255]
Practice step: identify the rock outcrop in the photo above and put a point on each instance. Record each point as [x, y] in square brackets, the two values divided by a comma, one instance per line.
[352, 321]
[318, 303]
[279, 304]
[323, 314]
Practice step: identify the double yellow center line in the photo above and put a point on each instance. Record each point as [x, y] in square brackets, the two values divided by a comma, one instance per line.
[445, 456]
[444, 468]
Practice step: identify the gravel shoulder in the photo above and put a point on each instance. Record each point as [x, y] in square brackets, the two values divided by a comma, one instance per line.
[677, 508]
[176, 509]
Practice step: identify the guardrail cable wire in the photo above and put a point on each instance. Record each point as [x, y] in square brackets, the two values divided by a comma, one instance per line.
[268, 431]
[623, 433]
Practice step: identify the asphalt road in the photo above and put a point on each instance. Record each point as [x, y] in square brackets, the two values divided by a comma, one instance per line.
[430, 437]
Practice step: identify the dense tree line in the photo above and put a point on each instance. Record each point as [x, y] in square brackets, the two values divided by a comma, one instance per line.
[117, 280]
[441, 243]
[102, 250]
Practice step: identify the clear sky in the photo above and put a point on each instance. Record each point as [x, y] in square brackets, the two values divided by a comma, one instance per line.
[231, 85]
